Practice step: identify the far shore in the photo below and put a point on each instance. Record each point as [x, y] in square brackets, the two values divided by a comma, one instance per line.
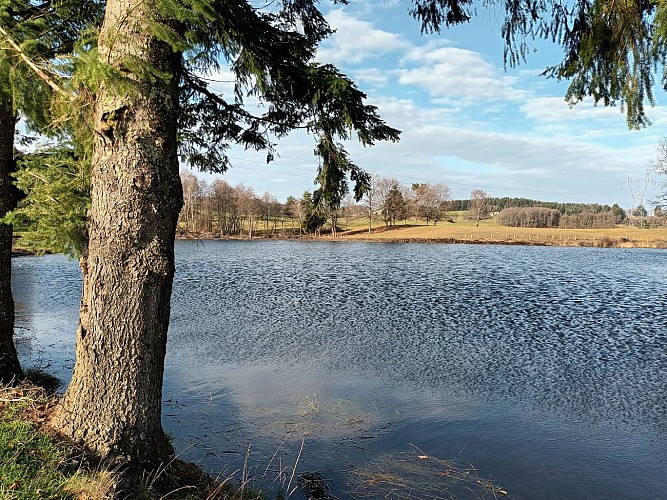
[448, 233]
[618, 237]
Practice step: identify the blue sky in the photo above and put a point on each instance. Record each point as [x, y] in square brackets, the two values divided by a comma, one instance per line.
[466, 121]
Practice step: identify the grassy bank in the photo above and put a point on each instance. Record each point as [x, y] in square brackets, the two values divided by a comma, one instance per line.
[459, 230]
[36, 463]
[455, 229]
[489, 232]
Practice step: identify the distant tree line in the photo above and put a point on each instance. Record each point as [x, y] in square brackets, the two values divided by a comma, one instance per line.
[219, 208]
[551, 217]
[498, 204]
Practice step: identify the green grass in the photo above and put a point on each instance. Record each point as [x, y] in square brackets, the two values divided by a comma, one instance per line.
[32, 464]
[37, 464]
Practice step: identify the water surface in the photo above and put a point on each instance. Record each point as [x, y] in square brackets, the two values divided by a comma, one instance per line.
[543, 367]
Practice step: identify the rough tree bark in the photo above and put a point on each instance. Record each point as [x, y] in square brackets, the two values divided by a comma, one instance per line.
[113, 403]
[9, 363]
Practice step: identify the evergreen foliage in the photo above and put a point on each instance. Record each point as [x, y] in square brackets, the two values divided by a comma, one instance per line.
[394, 207]
[57, 182]
[312, 218]
[565, 208]
[41, 37]
[37, 63]
[610, 49]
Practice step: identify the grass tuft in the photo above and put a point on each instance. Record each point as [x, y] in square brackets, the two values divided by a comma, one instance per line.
[32, 464]
[37, 464]
[416, 475]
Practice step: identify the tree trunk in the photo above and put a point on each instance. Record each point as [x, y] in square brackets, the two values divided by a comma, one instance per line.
[113, 403]
[9, 363]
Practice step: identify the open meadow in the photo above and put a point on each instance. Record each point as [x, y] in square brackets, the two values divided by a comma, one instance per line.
[489, 232]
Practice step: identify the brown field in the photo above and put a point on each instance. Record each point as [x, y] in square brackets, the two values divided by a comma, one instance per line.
[459, 230]
[489, 232]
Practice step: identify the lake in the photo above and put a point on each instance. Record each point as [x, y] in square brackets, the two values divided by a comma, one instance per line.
[401, 370]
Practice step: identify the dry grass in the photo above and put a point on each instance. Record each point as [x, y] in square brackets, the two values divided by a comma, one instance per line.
[490, 233]
[37, 463]
[416, 475]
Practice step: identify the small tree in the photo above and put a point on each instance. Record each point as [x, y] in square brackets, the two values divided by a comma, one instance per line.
[478, 207]
[312, 218]
[292, 209]
[394, 207]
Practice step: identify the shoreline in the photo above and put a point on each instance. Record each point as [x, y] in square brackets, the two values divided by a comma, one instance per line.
[382, 235]
[602, 241]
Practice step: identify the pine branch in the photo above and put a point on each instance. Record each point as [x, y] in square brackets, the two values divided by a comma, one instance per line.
[32, 10]
[33, 66]
[203, 89]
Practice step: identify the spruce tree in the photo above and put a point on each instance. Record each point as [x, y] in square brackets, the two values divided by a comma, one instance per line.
[31, 35]
[152, 103]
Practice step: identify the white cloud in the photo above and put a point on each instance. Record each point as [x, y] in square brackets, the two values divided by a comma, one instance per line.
[452, 72]
[372, 76]
[556, 109]
[508, 163]
[356, 41]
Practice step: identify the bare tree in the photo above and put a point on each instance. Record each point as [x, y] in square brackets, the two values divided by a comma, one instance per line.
[478, 207]
[248, 208]
[658, 167]
[187, 214]
[431, 201]
[370, 200]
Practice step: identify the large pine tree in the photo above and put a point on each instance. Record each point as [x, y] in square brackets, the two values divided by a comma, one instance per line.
[152, 59]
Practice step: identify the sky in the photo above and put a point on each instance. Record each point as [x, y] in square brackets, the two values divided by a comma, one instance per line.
[466, 120]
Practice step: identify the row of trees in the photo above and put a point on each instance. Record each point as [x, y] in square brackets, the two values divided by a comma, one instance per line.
[219, 208]
[224, 209]
[551, 217]
[499, 203]
[124, 81]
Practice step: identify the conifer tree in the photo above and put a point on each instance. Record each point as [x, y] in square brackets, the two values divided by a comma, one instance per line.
[31, 35]
[151, 95]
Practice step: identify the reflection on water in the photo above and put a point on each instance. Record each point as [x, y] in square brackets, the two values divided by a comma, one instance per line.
[546, 368]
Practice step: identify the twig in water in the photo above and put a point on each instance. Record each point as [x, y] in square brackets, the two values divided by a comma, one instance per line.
[294, 469]
[278, 449]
